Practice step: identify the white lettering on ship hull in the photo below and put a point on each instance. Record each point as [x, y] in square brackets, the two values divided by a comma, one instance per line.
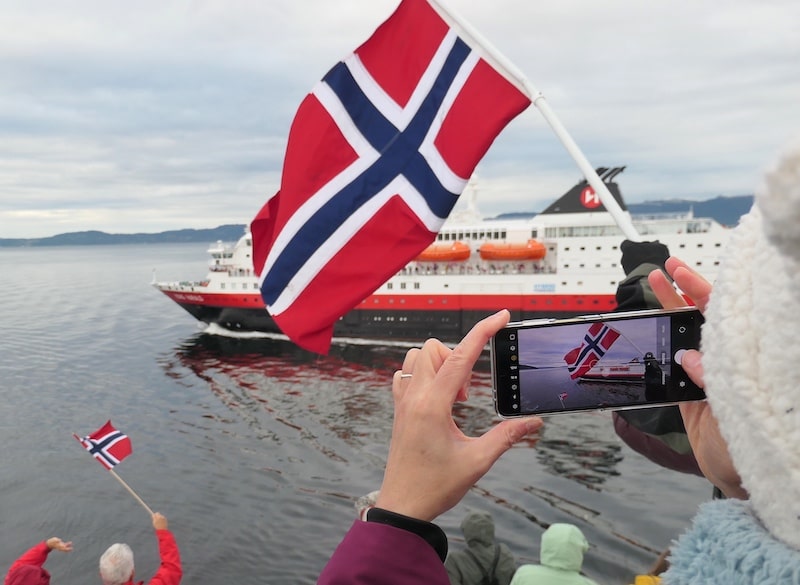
[189, 298]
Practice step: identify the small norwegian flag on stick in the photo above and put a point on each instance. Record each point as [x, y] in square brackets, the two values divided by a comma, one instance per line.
[109, 447]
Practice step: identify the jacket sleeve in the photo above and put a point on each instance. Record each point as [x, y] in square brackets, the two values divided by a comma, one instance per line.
[656, 433]
[36, 556]
[372, 553]
[169, 572]
[506, 566]
[451, 566]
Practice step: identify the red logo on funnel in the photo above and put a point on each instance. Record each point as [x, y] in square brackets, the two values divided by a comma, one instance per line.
[589, 198]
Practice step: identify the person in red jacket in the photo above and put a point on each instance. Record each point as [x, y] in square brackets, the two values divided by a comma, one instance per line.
[29, 570]
[116, 564]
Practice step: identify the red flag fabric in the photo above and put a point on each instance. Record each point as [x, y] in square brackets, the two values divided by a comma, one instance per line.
[376, 158]
[596, 343]
[108, 445]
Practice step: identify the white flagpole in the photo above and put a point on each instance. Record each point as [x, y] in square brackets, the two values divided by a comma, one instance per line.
[498, 60]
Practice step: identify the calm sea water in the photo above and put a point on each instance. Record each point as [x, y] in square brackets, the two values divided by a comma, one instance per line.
[253, 449]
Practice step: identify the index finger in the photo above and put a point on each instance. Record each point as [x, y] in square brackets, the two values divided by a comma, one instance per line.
[456, 370]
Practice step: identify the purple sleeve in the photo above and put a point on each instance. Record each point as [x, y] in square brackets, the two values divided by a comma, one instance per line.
[379, 554]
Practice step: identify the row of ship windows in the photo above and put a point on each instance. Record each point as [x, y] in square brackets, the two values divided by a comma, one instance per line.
[474, 235]
[614, 265]
[699, 245]
[244, 285]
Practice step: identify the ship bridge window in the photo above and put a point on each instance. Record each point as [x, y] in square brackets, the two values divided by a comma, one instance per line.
[389, 285]
[534, 231]
[416, 285]
[402, 285]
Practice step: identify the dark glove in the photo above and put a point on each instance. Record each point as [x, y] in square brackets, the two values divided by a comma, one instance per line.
[637, 253]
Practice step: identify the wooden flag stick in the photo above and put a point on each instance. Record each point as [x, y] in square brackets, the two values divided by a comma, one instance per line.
[120, 480]
[133, 493]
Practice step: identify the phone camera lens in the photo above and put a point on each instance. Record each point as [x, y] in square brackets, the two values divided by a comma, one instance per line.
[512, 336]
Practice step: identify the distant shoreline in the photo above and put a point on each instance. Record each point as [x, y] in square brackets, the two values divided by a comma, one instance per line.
[726, 210]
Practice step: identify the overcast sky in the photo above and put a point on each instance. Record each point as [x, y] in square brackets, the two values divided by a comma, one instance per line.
[154, 115]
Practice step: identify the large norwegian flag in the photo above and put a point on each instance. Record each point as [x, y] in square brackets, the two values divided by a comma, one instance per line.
[108, 445]
[376, 158]
[597, 341]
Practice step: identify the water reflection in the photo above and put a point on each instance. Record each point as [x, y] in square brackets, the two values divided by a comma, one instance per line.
[348, 392]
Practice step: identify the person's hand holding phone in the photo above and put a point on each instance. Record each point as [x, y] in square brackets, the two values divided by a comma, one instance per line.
[431, 463]
[709, 447]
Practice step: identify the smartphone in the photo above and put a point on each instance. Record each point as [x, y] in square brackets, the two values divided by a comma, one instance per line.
[594, 362]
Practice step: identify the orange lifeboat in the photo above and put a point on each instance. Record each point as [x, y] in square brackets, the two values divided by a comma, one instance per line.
[530, 250]
[455, 252]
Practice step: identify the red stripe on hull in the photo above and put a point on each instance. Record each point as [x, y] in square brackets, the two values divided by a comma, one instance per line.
[241, 301]
[538, 302]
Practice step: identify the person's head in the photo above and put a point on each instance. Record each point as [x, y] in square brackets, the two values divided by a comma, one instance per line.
[748, 342]
[478, 528]
[28, 575]
[562, 547]
[116, 564]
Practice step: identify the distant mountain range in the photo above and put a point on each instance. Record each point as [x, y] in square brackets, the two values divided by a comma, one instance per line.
[726, 210]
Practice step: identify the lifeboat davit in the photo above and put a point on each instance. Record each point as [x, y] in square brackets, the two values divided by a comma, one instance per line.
[455, 252]
[530, 250]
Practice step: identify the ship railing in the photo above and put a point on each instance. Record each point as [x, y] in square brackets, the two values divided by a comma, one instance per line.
[477, 268]
[678, 225]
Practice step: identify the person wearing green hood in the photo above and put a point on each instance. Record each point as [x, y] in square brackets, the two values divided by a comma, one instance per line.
[484, 561]
[561, 555]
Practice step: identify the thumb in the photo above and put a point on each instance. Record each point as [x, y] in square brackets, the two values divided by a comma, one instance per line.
[505, 435]
[692, 364]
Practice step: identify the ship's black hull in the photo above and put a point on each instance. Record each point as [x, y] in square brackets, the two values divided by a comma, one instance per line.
[414, 326]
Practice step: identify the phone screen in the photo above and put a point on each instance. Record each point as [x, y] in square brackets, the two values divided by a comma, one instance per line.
[613, 361]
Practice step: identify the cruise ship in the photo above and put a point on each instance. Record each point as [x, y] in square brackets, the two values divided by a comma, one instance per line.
[564, 261]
